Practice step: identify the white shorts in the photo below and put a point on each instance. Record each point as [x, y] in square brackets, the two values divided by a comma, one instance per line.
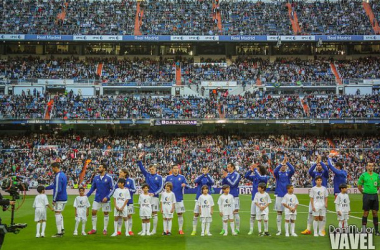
[40, 214]
[279, 206]
[179, 207]
[59, 206]
[167, 215]
[131, 209]
[343, 217]
[206, 219]
[145, 217]
[155, 204]
[320, 212]
[253, 208]
[260, 216]
[81, 218]
[123, 213]
[237, 203]
[106, 207]
[196, 207]
[290, 216]
[228, 217]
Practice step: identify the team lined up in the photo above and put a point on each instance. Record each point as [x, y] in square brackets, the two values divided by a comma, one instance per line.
[229, 204]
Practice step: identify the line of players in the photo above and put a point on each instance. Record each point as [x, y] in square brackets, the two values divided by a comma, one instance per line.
[172, 199]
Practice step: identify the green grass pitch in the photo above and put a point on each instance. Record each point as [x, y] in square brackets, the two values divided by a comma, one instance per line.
[26, 238]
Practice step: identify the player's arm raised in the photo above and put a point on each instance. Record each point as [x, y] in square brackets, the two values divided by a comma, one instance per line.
[141, 166]
[311, 170]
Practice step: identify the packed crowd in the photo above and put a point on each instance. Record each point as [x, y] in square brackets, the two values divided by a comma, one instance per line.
[31, 156]
[138, 70]
[289, 71]
[268, 107]
[247, 106]
[23, 106]
[255, 18]
[123, 107]
[345, 106]
[68, 17]
[185, 17]
[332, 17]
[286, 71]
[366, 68]
[178, 18]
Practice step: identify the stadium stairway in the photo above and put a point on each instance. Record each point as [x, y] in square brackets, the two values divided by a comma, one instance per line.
[178, 75]
[331, 143]
[99, 69]
[293, 19]
[62, 14]
[138, 20]
[372, 18]
[217, 16]
[305, 106]
[336, 73]
[221, 114]
[49, 108]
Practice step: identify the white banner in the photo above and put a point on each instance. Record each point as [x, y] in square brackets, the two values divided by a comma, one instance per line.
[55, 81]
[371, 81]
[272, 38]
[194, 38]
[98, 38]
[83, 91]
[17, 90]
[288, 38]
[213, 64]
[305, 38]
[219, 83]
[12, 37]
[371, 38]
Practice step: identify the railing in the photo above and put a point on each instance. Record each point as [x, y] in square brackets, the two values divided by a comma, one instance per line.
[298, 84]
[138, 84]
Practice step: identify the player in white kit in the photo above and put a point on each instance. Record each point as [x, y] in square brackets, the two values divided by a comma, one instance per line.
[226, 210]
[262, 201]
[342, 206]
[206, 209]
[40, 204]
[145, 202]
[120, 199]
[290, 203]
[318, 199]
[167, 208]
[82, 209]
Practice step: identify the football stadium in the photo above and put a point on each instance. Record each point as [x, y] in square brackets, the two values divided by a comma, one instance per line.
[189, 124]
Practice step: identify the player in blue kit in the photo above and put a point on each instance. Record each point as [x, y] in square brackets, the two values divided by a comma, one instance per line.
[257, 174]
[317, 169]
[156, 184]
[340, 176]
[179, 184]
[232, 179]
[104, 186]
[283, 173]
[204, 179]
[59, 197]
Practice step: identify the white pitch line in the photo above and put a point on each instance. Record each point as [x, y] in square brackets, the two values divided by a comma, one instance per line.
[333, 212]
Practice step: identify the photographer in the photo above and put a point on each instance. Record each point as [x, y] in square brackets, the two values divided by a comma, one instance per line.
[4, 202]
